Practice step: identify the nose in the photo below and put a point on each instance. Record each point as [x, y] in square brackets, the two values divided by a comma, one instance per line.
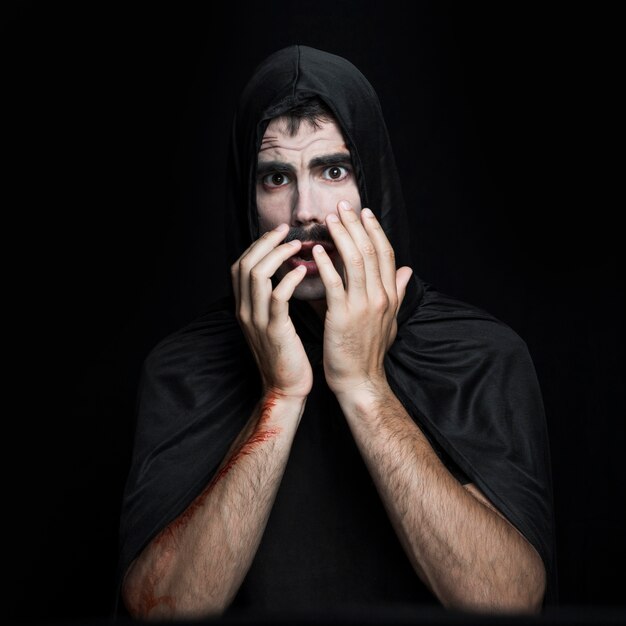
[308, 205]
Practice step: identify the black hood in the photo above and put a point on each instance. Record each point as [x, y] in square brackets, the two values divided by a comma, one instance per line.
[285, 79]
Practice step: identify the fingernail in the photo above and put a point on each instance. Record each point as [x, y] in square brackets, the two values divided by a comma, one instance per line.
[367, 213]
[279, 227]
[294, 242]
[332, 218]
[344, 205]
[318, 248]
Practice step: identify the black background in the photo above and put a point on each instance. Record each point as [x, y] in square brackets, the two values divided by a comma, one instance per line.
[116, 122]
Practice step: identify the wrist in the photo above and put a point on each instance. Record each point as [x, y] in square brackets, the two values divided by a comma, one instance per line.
[274, 397]
[282, 394]
[364, 395]
[281, 408]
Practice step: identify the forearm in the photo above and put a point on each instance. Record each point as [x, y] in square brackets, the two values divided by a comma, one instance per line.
[466, 553]
[195, 566]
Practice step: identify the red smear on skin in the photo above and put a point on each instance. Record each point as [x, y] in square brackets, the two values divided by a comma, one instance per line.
[148, 600]
[261, 435]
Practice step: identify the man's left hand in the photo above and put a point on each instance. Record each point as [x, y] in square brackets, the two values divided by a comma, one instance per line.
[361, 316]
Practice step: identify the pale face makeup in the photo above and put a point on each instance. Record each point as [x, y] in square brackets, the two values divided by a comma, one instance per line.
[300, 181]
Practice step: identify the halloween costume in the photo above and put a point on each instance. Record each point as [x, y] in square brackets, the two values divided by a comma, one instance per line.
[464, 377]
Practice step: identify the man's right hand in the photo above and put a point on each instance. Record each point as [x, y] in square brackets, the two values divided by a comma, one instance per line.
[263, 314]
[196, 564]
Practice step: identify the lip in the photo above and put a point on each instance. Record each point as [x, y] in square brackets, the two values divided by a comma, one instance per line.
[311, 266]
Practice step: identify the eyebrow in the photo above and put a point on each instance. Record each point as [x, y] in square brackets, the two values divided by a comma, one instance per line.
[327, 160]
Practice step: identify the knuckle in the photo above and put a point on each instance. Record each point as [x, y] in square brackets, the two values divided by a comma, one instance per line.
[356, 260]
[256, 276]
[381, 302]
[388, 253]
[368, 249]
[277, 297]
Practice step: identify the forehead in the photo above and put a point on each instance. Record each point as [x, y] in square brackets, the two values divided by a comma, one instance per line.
[277, 142]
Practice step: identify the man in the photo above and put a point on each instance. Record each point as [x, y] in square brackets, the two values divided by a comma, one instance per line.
[340, 433]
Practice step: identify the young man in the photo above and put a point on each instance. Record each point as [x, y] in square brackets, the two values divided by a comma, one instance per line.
[340, 433]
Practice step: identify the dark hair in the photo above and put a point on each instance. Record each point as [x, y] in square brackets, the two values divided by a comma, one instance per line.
[313, 110]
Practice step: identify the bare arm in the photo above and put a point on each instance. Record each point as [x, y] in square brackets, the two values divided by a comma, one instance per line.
[195, 566]
[460, 546]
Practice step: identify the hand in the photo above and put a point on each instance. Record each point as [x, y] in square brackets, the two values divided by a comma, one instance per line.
[263, 314]
[361, 318]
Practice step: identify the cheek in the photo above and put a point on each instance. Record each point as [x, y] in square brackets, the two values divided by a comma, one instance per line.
[356, 200]
[272, 211]
[351, 194]
[344, 192]
[265, 224]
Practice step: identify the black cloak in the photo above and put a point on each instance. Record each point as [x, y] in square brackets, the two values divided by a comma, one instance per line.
[465, 377]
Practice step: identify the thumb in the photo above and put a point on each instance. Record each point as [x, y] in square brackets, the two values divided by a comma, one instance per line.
[403, 275]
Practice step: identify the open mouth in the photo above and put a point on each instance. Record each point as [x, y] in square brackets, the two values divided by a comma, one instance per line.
[306, 251]
[305, 256]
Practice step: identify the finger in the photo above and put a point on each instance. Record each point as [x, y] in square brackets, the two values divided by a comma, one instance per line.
[353, 225]
[261, 246]
[279, 301]
[242, 267]
[335, 292]
[353, 262]
[384, 251]
[261, 280]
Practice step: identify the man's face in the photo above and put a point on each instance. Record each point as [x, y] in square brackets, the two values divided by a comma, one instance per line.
[300, 180]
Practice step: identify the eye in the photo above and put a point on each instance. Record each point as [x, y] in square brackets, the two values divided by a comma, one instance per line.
[336, 172]
[275, 179]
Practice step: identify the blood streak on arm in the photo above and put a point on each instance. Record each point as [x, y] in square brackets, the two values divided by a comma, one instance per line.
[167, 538]
[261, 434]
